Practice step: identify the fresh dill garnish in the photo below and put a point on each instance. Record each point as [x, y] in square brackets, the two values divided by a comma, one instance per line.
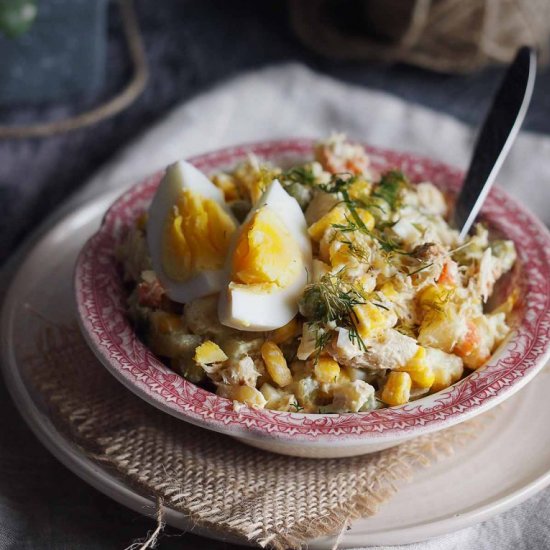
[408, 329]
[297, 406]
[345, 228]
[382, 225]
[330, 300]
[467, 252]
[387, 244]
[322, 338]
[353, 211]
[355, 337]
[439, 302]
[338, 182]
[390, 246]
[389, 188]
[355, 250]
[422, 268]
[300, 174]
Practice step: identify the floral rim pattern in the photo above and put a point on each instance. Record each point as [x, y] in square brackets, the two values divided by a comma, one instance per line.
[100, 298]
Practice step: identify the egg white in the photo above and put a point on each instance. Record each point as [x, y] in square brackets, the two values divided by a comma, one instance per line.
[244, 306]
[179, 176]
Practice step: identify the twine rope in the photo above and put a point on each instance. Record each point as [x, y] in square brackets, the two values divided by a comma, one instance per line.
[153, 538]
[456, 36]
[112, 106]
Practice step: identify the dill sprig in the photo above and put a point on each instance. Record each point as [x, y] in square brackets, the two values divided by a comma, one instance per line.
[331, 301]
[422, 268]
[390, 187]
[387, 244]
[408, 329]
[322, 339]
[357, 251]
[297, 406]
[299, 174]
[338, 183]
[439, 303]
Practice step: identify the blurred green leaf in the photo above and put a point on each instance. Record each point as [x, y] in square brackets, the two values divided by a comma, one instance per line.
[16, 16]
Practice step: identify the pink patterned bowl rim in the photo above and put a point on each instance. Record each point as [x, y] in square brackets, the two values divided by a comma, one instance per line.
[100, 298]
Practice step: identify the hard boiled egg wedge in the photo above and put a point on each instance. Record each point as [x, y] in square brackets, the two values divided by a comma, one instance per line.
[268, 264]
[189, 230]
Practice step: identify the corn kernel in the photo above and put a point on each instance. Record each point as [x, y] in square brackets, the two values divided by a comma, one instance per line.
[317, 229]
[227, 184]
[244, 394]
[340, 254]
[417, 361]
[419, 370]
[209, 352]
[286, 332]
[388, 290]
[359, 189]
[326, 370]
[339, 215]
[434, 295]
[367, 218]
[275, 363]
[397, 390]
[369, 319]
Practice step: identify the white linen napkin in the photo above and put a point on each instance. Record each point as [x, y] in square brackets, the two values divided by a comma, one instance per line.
[292, 101]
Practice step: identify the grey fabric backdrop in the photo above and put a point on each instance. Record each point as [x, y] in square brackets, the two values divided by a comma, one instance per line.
[191, 46]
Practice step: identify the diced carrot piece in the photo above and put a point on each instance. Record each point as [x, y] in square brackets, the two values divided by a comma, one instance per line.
[470, 341]
[446, 277]
[150, 294]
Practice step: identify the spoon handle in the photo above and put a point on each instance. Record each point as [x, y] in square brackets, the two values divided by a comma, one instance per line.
[496, 137]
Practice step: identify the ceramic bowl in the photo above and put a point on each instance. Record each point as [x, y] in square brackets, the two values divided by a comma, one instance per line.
[101, 295]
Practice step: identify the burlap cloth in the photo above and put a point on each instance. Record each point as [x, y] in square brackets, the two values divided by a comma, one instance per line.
[219, 483]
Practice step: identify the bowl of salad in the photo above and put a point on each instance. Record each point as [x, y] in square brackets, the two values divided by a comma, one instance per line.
[311, 298]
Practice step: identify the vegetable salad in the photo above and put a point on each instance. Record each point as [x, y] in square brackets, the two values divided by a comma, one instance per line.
[388, 304]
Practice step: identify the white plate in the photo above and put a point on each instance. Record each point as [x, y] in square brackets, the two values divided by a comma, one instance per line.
[456, 493]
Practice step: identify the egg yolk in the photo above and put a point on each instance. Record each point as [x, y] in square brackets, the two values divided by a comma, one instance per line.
[266, 253]
[196, 236]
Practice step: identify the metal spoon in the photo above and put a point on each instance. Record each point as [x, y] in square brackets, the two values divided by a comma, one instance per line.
[496, 137]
